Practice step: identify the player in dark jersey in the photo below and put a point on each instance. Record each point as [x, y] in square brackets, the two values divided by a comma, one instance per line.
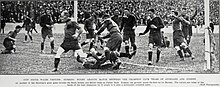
[129, 24]
[70, 41]
[47, 24]
[178, 36]
[187, 28]
[115, 38]
[9, 41]
[28, 26]
[90, 28]
[154, 25]
[118, 20]
[3, 23]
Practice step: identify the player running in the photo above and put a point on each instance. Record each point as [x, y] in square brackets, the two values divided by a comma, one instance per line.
[70, 41]
[9, 41]
[178, 36]
[28, 26]
[47, 24]
[154, 25]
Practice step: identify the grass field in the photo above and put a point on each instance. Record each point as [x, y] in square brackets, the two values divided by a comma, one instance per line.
[28, 60]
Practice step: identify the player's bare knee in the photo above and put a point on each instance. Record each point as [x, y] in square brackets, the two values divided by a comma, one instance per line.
[106, 49]
[177, 48]
[13, 46]
[126, 43]
[183, 45]
[151, 46]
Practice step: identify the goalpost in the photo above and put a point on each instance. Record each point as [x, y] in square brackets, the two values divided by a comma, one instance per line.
[75, 10]
[207, 38]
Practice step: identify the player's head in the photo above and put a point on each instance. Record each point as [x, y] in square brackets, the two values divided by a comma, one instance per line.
[151, 12]
[126, 11]
[106, 16]
[175, 13]
[65, 16]
[18, 28]
[184, 11]
[47, 11]
[116, 12]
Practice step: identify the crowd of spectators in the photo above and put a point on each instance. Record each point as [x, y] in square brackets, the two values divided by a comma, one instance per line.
[15, 10]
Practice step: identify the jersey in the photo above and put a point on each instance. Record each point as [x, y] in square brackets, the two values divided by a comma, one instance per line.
[45, 20]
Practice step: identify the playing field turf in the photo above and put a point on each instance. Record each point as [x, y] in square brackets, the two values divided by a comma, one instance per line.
[28, 60]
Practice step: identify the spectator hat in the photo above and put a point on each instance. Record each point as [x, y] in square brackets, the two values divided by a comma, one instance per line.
[18, 26]
[151, 10]
[175, 12]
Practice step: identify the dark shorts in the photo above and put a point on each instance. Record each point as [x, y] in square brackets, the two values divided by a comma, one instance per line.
[178, 38]
[2, 26]
[8, 44]
[129, 35]
[114, 41]
[69, 44]
[46, 32]
[155, 39]
[27, 28]
[90, 34]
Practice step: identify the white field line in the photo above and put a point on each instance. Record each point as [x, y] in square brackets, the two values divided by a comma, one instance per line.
[160, 67]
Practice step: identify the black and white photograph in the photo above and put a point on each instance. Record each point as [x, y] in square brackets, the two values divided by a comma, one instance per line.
[71, 37]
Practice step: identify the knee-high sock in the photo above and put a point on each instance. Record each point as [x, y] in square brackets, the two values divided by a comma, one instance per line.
[188, 51]
[184, 51]
[127, 49]
[107, 55]
[42, 45]
[78, 59]
[91, 45]
[30, 37]
[52, 45]
[124, 55]
[56, 62]
[180, 53]
[25, 38]
[119, 48]
[150, 55]
[134, 47]
[158, 55]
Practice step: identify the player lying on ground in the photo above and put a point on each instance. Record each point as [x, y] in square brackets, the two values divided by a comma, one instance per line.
[96, 60]
[115, 37]
[9, 41]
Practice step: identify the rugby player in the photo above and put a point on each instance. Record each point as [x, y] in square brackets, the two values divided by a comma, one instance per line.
[9, 41]
[128, 25]
[178, 36]
[47, 24]
[70, 41]
[27, 25]
[154, 25]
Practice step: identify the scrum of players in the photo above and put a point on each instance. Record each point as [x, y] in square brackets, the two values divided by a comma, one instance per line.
[121, 29]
